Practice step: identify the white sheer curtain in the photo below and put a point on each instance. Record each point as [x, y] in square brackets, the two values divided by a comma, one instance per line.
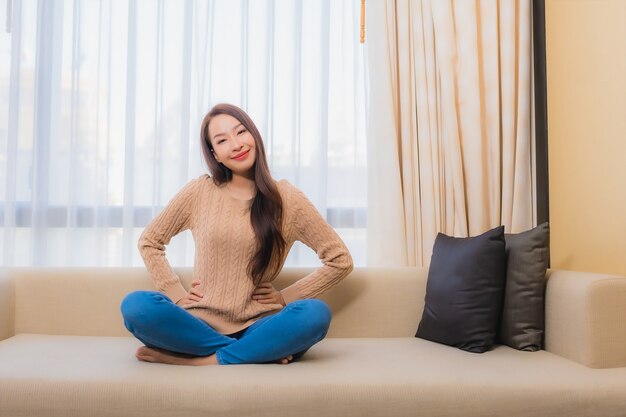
[102, 103]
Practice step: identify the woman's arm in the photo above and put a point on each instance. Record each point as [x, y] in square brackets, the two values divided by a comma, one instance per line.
[311, 229]
[174, 218]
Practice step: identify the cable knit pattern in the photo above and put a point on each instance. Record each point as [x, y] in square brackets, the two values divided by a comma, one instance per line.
[225, 242]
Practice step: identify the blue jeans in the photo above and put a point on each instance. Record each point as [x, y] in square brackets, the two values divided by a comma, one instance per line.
[157, 322]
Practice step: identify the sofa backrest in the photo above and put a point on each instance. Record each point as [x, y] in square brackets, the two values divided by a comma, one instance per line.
[370, 302]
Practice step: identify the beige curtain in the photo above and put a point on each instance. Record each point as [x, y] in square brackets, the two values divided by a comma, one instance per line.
[449, 134]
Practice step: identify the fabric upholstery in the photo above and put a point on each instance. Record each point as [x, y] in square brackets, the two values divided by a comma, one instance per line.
[392, 299]
[338, 377]
[586, 318]
[7, 305]
[522, 319]
[464, 291]
[85, 301]
[369, 365]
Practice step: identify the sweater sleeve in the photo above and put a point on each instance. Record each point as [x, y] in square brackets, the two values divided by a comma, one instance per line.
[311, 229]
[173, 219]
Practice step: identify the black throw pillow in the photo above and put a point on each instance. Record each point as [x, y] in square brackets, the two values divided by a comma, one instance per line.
[464, 291]
[522, 320]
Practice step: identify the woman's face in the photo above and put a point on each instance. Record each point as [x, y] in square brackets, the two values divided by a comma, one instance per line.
[233, 145]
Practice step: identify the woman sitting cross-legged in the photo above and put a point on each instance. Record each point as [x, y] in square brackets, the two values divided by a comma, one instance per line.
[243, 223]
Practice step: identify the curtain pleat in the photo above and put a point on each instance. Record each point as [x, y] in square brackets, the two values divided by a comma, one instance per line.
[324, 104]
[129, 134]
[10, 207]
[185, 115]
[269, 105]
[75, 114]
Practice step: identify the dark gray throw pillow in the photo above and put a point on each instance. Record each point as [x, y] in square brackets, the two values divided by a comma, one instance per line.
[522, 321]
[464, 291]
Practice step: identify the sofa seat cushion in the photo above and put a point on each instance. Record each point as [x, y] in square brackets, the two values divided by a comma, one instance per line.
[47, 375]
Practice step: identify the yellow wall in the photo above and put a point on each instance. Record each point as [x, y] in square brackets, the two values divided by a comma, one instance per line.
[586, 70]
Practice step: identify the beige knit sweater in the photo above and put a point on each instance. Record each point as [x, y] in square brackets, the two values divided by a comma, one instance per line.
[225, 241]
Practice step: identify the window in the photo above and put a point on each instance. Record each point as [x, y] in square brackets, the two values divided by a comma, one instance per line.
[103, 101]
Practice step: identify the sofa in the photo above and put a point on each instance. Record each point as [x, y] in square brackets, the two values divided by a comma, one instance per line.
[64, 351]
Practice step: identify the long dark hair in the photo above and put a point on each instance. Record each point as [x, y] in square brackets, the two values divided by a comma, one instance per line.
[266, 212]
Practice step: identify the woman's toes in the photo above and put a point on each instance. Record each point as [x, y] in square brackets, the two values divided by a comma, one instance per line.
[285, 361]
[141, 351]
[144, 354]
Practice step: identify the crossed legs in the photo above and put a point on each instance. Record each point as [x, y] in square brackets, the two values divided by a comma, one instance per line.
[172, 335]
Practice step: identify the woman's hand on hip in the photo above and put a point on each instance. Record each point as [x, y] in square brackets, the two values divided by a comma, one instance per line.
[193, 296]
[265, 293]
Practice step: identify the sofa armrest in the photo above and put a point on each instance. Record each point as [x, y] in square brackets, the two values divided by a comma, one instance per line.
[586, 318]
[7, 305]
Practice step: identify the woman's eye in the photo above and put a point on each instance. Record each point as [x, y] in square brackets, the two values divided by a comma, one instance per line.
[241, 131]
[220, 141]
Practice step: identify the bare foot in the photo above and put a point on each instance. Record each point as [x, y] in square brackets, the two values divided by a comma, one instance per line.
[156, 355]
[286, 361]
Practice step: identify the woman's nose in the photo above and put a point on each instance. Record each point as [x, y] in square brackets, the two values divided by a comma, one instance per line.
[236, 143]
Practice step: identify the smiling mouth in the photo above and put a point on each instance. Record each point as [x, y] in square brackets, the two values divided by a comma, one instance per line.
[241, 155]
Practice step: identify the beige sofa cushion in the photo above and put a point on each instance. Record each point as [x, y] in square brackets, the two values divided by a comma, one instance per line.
[370, 302]
[584, 311]
[42, 375]
[7, 304]
[586, 318]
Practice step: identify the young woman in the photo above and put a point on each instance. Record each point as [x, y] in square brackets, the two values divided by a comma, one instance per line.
[244, 224]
